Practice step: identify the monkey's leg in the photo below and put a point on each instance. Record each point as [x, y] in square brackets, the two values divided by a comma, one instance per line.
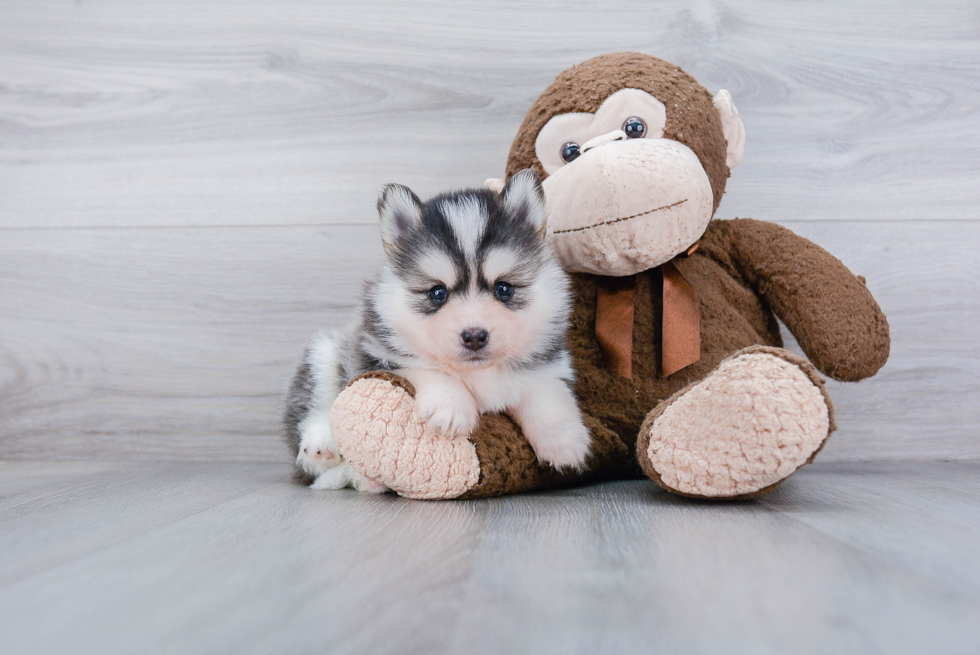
[380, 434]
[742, 430]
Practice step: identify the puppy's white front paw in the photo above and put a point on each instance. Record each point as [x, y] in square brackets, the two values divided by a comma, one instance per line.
[453, 413]
[562, 444]
[317, 451]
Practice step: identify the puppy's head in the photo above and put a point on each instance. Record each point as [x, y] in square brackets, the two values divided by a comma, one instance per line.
[470, 282]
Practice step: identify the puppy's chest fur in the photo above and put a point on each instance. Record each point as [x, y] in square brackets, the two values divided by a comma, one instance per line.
[496, 388]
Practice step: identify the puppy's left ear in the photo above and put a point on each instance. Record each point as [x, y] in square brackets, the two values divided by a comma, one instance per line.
[399, 210]
[524, 199]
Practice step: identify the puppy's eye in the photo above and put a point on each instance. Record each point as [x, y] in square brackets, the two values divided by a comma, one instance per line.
[570, 152]
[503, 291]
[438, 294]
[634, 127]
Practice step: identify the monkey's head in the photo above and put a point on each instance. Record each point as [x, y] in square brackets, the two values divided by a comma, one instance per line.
[634, 155]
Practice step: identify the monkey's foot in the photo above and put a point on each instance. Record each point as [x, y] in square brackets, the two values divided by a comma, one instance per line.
[380, 433]
[742, 430]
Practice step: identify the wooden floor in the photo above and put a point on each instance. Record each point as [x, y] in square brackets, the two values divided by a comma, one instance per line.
[233, 558]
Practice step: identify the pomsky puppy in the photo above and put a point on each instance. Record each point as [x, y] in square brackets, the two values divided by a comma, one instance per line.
[472, 308]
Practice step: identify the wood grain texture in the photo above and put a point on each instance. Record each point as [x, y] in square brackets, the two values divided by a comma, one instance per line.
[876, 557]
[187, 189]
[246, 112]
[187, 193]
[177, 343]
[165, 342]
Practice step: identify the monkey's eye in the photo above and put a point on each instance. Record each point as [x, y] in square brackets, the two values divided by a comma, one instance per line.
[634, 127]
[438, 294]
[570, 152]
[503, 291]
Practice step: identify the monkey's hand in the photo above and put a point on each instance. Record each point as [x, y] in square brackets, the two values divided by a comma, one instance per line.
[828, 309]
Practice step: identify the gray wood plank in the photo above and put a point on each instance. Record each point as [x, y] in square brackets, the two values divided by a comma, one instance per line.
[894, 514]
[177, 343]
[922, 403]
[845, 557]
[182, 113]
[164, 342]
[671, 575]
[89, 506]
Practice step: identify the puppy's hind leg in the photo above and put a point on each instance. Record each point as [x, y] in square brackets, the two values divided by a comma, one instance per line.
[339, 477]
[307, 421]
[317, 451]
[307, 418]
[342, 476]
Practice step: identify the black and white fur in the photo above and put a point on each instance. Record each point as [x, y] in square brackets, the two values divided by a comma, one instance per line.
[486, 251]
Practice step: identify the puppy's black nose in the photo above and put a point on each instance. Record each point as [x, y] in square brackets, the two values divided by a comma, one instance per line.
[475, 338]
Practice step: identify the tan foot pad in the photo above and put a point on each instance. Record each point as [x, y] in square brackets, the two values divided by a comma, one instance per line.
[376, 428]
[743, 429]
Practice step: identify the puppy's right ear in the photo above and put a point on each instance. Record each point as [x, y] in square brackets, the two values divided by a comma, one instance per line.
[399, 210]
[524, 199]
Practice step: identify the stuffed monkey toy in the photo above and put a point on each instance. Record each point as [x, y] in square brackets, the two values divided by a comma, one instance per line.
[680, 371]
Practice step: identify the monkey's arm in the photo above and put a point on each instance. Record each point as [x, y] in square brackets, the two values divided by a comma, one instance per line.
[378, 429]
[827, 308]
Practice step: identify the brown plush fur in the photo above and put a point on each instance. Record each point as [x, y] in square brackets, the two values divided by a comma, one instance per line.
[737, 288]
[395, 380]
[745, 273]
[508, 465]
[735, 314]
[828, 309]
[691, 115]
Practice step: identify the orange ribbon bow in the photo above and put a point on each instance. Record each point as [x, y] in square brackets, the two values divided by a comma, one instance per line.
[681, 328]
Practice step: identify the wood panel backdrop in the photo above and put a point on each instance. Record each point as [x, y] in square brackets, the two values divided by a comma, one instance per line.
[187, 189]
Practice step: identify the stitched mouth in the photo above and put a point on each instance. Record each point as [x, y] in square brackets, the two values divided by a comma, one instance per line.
[620, 220]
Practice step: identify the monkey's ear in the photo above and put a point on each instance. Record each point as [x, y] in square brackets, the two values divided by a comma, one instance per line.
[732, 126]
[495, 184]
[524, 199]
[399, 210]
